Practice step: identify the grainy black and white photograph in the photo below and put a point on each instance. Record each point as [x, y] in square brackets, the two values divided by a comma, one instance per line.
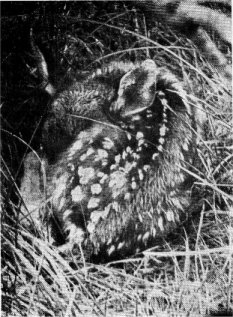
[116, 158]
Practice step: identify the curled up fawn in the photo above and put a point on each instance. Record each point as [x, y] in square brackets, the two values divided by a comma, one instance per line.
[118, 153]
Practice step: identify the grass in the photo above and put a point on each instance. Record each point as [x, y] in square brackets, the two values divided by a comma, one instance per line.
[188, 274]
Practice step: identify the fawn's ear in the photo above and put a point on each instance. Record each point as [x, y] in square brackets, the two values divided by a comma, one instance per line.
[136, 90]
[41, 67]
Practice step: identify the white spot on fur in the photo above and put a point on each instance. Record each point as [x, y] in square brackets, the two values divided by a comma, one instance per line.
[173, 193]
[124, 155]
[139, 135]
[100, 174]
[86, 174]
[101, 154]
[146, 167]
[91, 227]
[113, 167]
[134, 185]
[106, 211]
[76, 234]
[118, 158]
[71, 166]
[104, 178]
[135, 156]
[96, 189]
[107, 143]
[127, 196]
[83, 157]
[66, 214]
[161, 140]
[128, 167]
[140, 174]
[77, 194]
[115, 206]
[146, 95]
[154, 156]
[117, 183]
[77, 145]
[93, 203]
[90, 151]
[162, 130]
[96, 215]
[128, 149]
[141, 142]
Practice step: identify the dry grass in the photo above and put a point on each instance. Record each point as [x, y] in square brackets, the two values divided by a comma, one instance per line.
[188, 275]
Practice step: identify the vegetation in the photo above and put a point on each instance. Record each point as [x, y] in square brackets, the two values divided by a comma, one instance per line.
[190, 272]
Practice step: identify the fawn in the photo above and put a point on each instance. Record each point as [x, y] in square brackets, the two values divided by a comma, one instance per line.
[115, 172]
